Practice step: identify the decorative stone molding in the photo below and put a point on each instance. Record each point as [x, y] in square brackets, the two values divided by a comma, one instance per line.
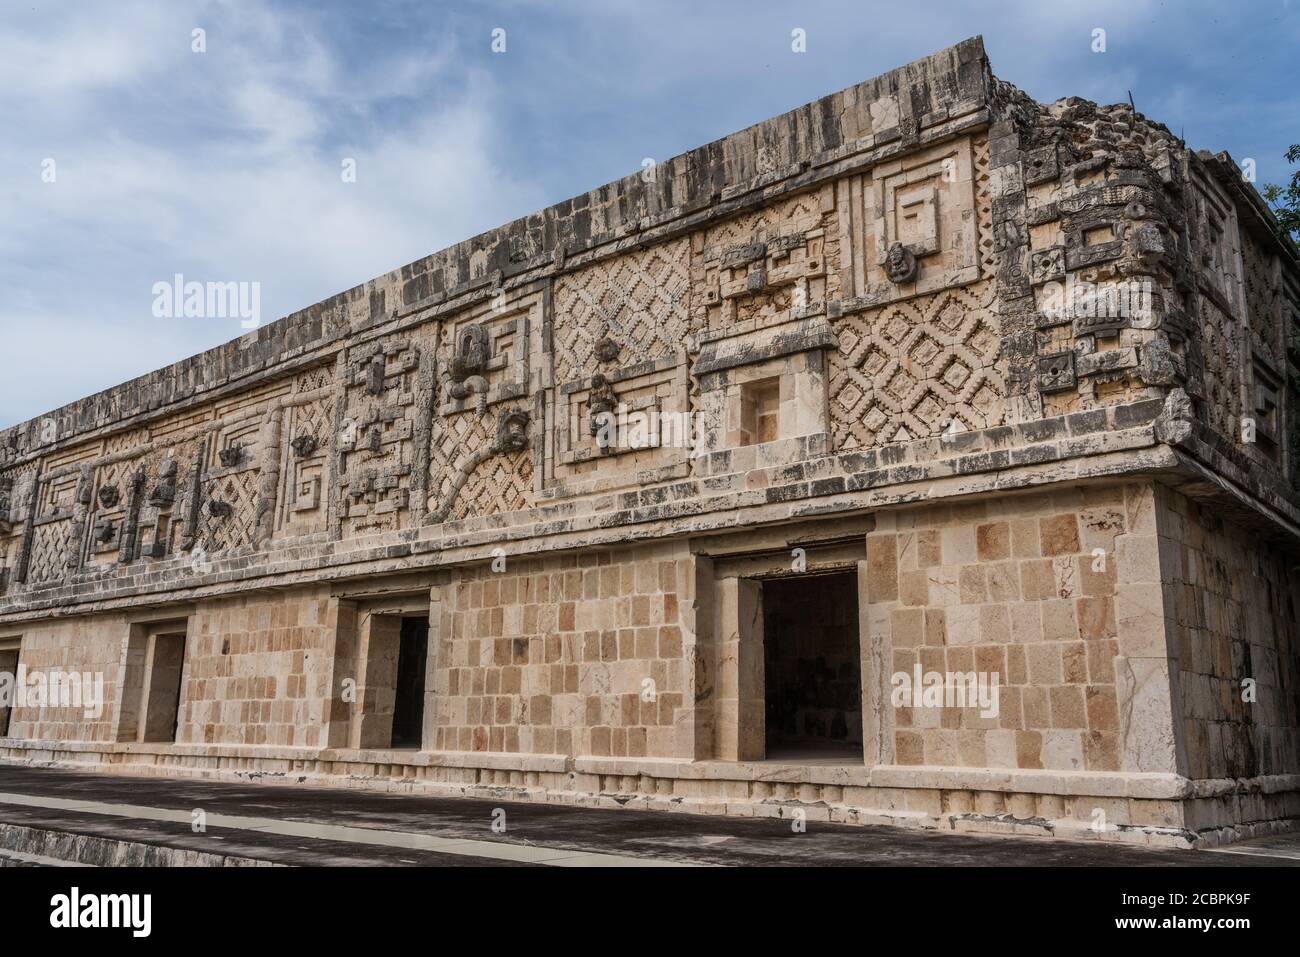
[6, 503]
[193, 505]
[718, 352]
[382, 435]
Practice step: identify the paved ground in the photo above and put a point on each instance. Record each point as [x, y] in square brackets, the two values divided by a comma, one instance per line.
[290, 824]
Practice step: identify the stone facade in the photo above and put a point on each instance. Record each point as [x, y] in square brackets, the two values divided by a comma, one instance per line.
[970, 385]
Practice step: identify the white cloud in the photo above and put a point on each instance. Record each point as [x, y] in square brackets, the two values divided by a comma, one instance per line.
[221, 166]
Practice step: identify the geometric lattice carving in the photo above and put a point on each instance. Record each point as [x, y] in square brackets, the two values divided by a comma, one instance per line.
[1263, 303]
[638, 301]
[239, 491]
[907, 370]
[501, 483]
[980, 164]
[313, 379]
[50, 543]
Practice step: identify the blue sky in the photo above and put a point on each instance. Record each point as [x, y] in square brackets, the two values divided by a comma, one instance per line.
[225, 165]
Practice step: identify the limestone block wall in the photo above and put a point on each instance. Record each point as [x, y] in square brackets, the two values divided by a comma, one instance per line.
[87, 646]
[258, 670]
[1033, 588]
[1233, 617]
[577, 654]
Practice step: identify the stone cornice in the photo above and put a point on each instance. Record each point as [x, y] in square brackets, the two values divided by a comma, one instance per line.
[1102, 444]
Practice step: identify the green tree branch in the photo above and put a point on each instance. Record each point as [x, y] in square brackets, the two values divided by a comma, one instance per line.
[1285, 200]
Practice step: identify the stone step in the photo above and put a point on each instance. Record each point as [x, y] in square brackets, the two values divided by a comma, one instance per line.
[40, 845]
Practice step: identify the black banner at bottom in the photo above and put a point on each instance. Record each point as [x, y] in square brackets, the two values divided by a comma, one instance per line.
[266, 905]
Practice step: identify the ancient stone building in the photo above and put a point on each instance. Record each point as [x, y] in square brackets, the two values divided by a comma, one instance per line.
[923, 378]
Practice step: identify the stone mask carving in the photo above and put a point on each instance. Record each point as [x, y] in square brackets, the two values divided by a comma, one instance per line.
[84, 485]
[900, 264]
[607, 349]
[232, 455]
[512, 431]
[1143, 234]
[164, 493]
[303, 445]
[375, 375]
[471, 353]
[104, 531]
[109, 496]
[600, 403]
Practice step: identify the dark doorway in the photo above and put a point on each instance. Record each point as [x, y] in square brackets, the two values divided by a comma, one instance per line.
[812, 666]
[8, 666]
[162, 706]
[412, 660]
